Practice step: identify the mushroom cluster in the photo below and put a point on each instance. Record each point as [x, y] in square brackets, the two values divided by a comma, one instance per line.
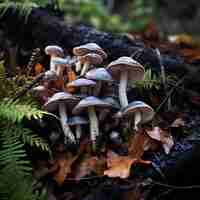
[83, 101]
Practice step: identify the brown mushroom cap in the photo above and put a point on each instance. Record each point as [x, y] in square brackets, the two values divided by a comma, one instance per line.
[54, 50]
[53, 102]
[89, 102]
[135, 69]
[91, 58]
[89, 48]
[146, 111]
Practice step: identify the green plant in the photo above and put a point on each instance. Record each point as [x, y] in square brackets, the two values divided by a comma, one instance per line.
[150, 81]
[15, 167]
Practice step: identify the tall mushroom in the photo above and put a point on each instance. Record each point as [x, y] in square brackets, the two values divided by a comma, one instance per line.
[99, 75]
[125, 69]
[53, 51]
[90, 104]
[141, 111]
[85, 49]
[77, 121]
[60, 101]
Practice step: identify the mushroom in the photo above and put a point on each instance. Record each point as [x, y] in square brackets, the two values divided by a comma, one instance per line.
[90, 104]
[85, 49]
[100, 75]
[77, 121]
[125, 69]
[60, 64]
[90, 59]
[142, 112]
[54, 51]
[42, 93]
[60, 101]
[82, 83]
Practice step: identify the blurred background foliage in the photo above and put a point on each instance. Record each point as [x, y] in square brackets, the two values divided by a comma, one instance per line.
[106, 15]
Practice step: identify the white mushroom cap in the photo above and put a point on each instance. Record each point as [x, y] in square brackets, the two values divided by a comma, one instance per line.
[90, 101]
[52, 104]
[146, 111]
[54, 50]
[135, 70]
[89, 48]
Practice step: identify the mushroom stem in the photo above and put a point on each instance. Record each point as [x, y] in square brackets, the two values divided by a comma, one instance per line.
[78, 132]
[52, 66]
[85, 68]
[137, 120]
[97, 88]
[122, 89]
[63, 118]
[94, 127]
[78, 65]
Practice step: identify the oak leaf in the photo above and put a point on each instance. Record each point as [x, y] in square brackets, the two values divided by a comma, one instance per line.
[90, 164]
[119, 166]
[64, 163]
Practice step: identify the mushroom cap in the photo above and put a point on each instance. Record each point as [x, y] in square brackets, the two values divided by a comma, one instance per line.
[90, 101]
[99, 74]
[91, 58]
[39, 88]
[82, 82]
[53, 102]
[50, 75]
[89, 48]
[135, 70]
[76, 120]
[54, 50]
[146, 111]
[59, 61]
[115, 104]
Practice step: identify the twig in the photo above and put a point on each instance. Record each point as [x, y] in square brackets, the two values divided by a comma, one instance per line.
[170, 93]
[163, 77]
[29, 86]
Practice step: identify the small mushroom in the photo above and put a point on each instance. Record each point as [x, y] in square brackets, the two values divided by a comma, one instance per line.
[90, 104]
[77, 121]
[141, 111]
[125, 69]
[60, 64]
[82, 83]
[88, 60]
[60, 101]
[50, 75]
[99, 75]
[42, 93]
[54, 51]
[85, 49]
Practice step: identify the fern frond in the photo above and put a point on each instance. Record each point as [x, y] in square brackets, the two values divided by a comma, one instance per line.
[16, 112]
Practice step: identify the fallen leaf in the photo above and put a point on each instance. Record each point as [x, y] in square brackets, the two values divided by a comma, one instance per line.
[163, 136]
[64, 163]
[38, 68]
[119, 166]
[90, 164]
